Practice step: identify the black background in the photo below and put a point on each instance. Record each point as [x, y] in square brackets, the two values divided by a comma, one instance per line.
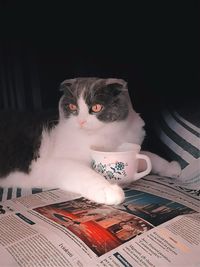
[151, 44]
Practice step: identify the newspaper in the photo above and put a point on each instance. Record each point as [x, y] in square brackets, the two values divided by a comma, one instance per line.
[157, 225]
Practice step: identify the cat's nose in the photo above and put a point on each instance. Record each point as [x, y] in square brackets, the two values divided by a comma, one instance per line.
[82, 122]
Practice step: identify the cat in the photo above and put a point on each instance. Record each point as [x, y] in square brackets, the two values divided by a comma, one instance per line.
[92, 111]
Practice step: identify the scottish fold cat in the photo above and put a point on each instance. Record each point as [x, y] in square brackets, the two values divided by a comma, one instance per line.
[92, 111]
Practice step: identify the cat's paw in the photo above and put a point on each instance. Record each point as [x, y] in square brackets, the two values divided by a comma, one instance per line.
[173, 170]
[110, 194]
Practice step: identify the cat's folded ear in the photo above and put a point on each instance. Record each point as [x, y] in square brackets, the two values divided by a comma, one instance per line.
[66, 84]
[118, 84]
[115, 86]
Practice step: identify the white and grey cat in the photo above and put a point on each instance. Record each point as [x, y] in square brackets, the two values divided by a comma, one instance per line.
[92, 111]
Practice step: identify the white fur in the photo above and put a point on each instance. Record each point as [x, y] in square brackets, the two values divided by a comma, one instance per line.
[65, 159]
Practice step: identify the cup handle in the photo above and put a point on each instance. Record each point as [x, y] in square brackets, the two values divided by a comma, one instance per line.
[149, 166]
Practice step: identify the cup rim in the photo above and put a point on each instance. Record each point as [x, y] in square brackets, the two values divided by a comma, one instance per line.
[95, 150]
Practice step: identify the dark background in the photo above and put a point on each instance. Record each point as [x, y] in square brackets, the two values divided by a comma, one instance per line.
[152, 45]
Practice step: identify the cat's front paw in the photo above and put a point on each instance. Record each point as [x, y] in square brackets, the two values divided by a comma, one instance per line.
[173, 170]
[110, 194]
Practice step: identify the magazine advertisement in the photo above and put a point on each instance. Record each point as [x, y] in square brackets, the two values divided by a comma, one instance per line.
[158, 224]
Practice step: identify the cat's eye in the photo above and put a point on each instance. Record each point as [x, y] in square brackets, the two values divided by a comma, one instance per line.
[72, 107]
[96, 108]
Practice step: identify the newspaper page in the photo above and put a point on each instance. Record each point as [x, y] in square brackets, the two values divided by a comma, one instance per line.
[157, 225]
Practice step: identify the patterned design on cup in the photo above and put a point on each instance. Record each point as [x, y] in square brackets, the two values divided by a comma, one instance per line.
[111, 171]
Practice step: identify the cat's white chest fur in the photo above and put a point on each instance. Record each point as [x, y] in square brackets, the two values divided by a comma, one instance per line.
[68, 140]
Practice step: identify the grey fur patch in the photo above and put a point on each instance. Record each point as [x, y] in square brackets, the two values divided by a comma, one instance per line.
[111, 93]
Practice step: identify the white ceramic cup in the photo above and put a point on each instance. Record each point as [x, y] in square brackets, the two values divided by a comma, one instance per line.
[119, 166]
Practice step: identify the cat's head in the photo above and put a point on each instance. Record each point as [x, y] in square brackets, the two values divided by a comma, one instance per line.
[92, 103]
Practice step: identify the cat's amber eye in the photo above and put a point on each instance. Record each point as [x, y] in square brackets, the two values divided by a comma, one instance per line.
[72, 107]
[97, 108]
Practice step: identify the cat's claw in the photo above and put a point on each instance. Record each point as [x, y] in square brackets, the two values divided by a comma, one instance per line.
[110, 195]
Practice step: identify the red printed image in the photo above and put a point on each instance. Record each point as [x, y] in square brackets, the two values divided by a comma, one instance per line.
[100, 227]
